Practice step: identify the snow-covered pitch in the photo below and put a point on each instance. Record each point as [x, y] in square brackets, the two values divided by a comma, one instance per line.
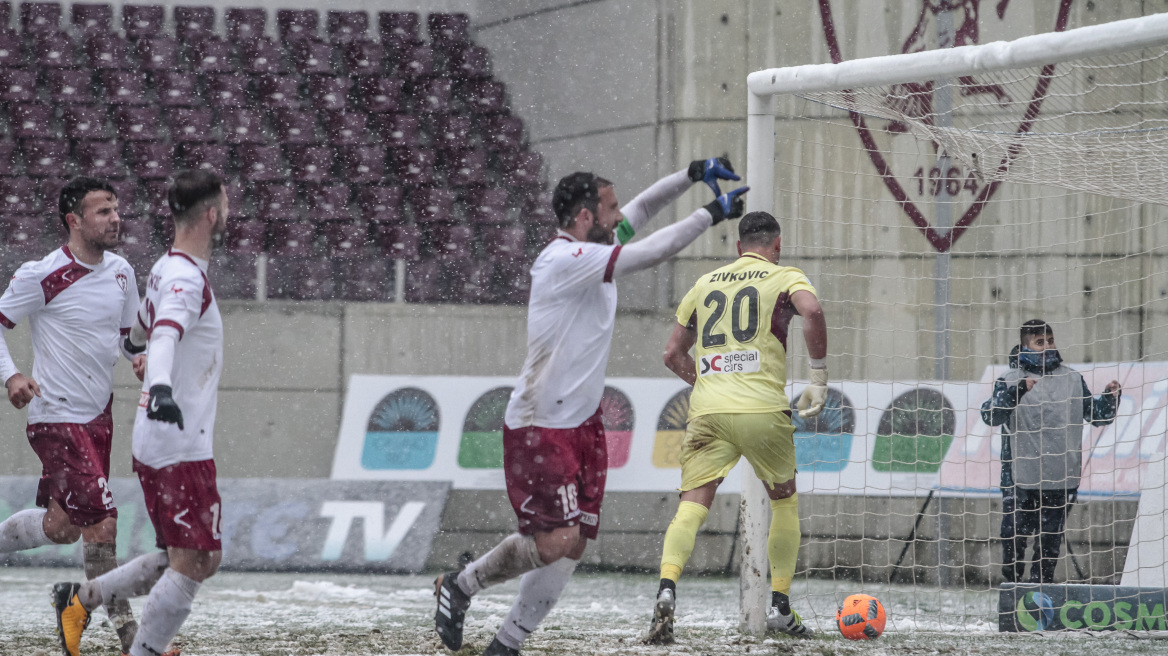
[307, 614]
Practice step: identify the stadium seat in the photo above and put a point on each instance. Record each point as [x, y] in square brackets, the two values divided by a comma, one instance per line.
[192, 24]
[5, 14]
[380, 204]
[45, 158]
[92, 17]
[398, 25]
[448, 30]
[413, 166]
[451, 131]
[471, 281]
[11, 55]
[432, 95]
[363, 58]
[504, 132]
[127, 193]
[453, 240]
[329, 93]
[259, 163]
[210, 54]
[328, 202]
[487, 205]
[312, 57]
[313, 280]
[153, 197]
[19, 196]
[293, 238]
[190, 124]
[415, 63]
[380, 94]
[423, 281]
[31, 120]
[40, 17]
[278, 91]
[242, 126]
[136, 237]
[433, 205]
[235, 275]
[22, 235]
[149, 160]
[297, 24]
[398, 242]
[124, 87]
[347, 26]
[464, 167]
[363, 279]
[485, 96]
[521, 168]
[157, 53]
[101, 159]
[504, 242]
[276, 202]
[140, 21]
[237, 197]
[396, 130]
[469, 63]
[17, 85]
[346, 239]
[107, 50]
[362, 164]
[52, 51]
[295, 127]
[227, 90]
[245, 236]
[311, 163]
[346, 128]
[177, 89]
[245, 25]
[261, 56]
[213, 157]
[137, 123]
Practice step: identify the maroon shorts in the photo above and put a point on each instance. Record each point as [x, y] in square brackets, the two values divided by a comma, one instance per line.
[183, 503]
[75, 464]
[555, 476]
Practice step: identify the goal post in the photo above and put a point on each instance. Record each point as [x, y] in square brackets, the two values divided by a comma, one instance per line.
[1091, 146]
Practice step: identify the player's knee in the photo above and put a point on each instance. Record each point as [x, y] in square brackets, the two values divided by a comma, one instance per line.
[104, 531]
[781, 490]
[62, 533]
[556, 544]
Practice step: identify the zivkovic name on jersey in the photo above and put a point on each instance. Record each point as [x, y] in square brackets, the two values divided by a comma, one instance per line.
[739, 277]
[734, 362]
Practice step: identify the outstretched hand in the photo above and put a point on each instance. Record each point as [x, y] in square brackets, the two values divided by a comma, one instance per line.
[729, 205]
[711, 170]
[1114, 388]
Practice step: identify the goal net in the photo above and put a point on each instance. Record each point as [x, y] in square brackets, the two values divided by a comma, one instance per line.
[938, 200]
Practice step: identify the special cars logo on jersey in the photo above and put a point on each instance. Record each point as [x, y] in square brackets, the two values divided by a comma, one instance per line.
[734, 362]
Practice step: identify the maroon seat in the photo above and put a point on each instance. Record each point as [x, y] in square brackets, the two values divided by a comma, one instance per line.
[258, 163]
[22, 236]
[295, 127]
[237, 201]
[504, 241]
[363, 57]
[329, 93]
[276, 202]
[469, 63]
[380, 94]
[17, 86]
[398, 25]
[19, 196]
[312, 57]
[157, 53]
[362, 164]
[448, 30]
[423, 282]
[177, 89]
[521, 168]
[504, 132]
[11, 55]
[245, 236]
[398, 51]
[242, 126]
[235, 275]
[52, 51]
[101, 159]
[149, 160]
[346, 128]
[45, 157]
[124, 87]
[488, 205]
[328, 202]
[190, 124]
[293, 238]
[464, 167]
[213, 157]
[433, 205]
[40, 17]
[92, 17]
[346, 239]
[432, 95]
[260, 56]
[245, 25]
[107, 50]
[136, 237]
[297, 24]
[485, 96]
[472, 281]
[453, 241]
[415, 63]
[7, 150]
[278, 91]
[227, 90]
[347, 26]
[127, 194]
[380, 204]
[313, 280]
[398, 242]
[451, 132]
[137, 123]
[30, 120]
[396, 130]
[311, 163]
[363, 279]
[413, 166]
[211, 55]
[153, 197]
[192, 24]
[142, 20]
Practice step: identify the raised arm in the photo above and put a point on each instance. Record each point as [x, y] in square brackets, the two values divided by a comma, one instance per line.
[648, 203]
[668, 241]
[1101, 410]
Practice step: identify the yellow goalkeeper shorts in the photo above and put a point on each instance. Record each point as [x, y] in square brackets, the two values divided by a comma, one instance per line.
[714, 443]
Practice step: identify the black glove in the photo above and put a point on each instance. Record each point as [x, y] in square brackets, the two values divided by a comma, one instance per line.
[131, 348]
[162, 406]
[729, 205]
[710, 171]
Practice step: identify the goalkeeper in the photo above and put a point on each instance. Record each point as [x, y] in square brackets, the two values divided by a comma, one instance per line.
[737, 317]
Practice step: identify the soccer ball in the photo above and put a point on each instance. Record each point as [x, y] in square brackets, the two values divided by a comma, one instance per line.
[861, 617]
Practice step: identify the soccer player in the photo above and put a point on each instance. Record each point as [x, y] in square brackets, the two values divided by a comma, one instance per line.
[739, 405]
[1041, 406]
[79, 301]
[173, 430]
[554, 451]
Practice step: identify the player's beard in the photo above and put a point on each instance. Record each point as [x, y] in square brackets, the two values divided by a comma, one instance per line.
[104, 241]
[598, 235]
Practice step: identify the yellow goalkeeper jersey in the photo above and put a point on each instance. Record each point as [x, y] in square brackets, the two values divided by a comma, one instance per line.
[741, 313]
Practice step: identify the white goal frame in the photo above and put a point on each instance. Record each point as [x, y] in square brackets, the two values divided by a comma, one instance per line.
[1030, 51]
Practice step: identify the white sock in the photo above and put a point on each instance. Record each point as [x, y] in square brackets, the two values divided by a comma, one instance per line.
[163, 615]
[133, 579]
[539, 590]
[515, 555]
[24, 530]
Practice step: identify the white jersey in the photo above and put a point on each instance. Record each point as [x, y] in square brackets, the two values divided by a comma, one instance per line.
[570, 319]
[77, 314]
[179, 298]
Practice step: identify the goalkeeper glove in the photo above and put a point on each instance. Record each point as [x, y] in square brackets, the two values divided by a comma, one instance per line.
[710, 171]
[162, 406]
[729, 205]
[814, 396]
